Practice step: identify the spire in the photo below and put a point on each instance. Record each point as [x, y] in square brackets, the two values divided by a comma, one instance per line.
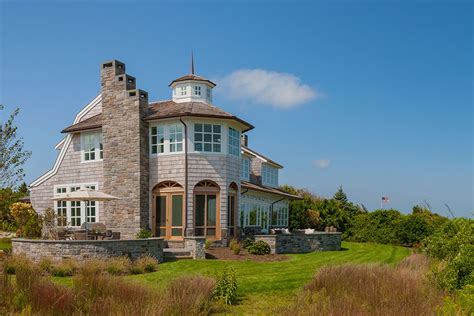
[192, 63]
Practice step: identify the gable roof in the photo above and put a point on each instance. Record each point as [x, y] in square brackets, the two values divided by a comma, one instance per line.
[252, 152]
[263, 188]
[166, 109]
[194, 78]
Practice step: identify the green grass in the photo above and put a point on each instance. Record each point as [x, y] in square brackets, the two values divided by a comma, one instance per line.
[265, 285]
[5, 244]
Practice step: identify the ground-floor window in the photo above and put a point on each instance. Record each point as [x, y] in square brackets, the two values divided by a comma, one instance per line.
[255, 211]
[75, 213]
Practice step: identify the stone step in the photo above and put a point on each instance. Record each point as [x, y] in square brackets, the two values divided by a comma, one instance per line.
[176, 254]
[174, 244]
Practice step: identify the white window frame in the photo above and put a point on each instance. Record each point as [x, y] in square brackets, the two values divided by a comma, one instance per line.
[167, 145]
[197, 91]
[245, 168]
[269, 175]
[213, 135]
[97, 146]
[62, 189]
[184, 90]
[233, 142]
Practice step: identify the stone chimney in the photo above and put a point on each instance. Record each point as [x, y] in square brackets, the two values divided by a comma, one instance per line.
[125, 143]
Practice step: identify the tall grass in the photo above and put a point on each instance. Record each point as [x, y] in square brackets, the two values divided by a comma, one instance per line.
[97, 293]
[370, 290]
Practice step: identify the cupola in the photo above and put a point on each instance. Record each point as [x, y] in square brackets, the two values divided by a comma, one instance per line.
[192, 88]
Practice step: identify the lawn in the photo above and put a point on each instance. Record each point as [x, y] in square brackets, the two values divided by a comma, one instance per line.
[265, 285]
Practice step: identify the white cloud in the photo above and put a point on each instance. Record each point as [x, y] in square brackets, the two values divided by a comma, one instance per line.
[322, 163]
[277, 89]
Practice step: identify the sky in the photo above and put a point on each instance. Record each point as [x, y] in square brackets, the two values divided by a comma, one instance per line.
[373, 96]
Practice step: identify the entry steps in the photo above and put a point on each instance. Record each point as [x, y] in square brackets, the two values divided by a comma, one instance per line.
[176, 254]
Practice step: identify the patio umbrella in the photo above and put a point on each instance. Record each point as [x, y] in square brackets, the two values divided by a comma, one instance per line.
[85, 194]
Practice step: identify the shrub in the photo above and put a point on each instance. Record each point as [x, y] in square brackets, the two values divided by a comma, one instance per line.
[226, 287]
[235, 246]
[46, 264]
[188, 296]
[146, 264]
[64, 268]
[236, 249]
[29, 223]
[118, 265]
[207, 244]
[259, 248]
[247, 242]
[12, 263]
[144, 234]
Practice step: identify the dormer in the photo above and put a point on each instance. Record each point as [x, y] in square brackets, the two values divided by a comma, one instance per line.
[192, 88]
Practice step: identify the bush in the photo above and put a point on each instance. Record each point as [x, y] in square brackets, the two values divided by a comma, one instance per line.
[207, 244]
[64, 268]
[236, 249]
[46, 264]
[146, 264]
[235, 246]
[259, 248]
[226, 287]
[118, 265]
[246, 243]
[12, 263]
[29, 223]
[144, 234]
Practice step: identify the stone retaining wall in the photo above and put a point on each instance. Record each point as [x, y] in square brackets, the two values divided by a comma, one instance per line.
[302, 243]
[195, 246]
[83, 249]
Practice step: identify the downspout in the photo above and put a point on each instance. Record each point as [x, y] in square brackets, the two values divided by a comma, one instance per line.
[271, 212]
[185, 177]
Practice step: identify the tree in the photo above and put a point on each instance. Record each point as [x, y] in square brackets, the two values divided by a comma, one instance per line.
[340, 196]
[12, 153]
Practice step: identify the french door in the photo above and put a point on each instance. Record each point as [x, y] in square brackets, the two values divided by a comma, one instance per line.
[169, 215]
[207, 217]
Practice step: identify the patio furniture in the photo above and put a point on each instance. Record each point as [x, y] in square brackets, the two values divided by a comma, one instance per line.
[108, 233]
[114, 236]
[80, 235]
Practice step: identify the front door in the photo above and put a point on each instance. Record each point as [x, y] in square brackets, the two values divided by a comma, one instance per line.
[169, 215]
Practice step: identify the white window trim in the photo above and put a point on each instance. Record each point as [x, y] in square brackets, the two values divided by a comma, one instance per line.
[83, 203]
[166, 136]
[229, 145]
[223, 143]
[267, 175]
[97, 147]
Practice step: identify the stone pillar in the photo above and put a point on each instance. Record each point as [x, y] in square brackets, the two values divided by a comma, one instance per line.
[125, 143]
[195, 246]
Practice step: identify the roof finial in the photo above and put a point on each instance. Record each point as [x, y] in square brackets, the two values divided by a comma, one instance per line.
[192, 62]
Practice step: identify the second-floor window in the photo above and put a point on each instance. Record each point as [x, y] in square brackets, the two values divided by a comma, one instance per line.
[197, 90]
[269, 175]
[245, 171]
[166, 139]
[234, 142]
[92, 148]
[207, 138]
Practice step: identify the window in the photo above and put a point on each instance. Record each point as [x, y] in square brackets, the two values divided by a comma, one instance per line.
[166, 139]
[208, 92]
[234, 142]
[197, 90]
[92, 146]
[183, 90]
[269, 176]
[75, 213]
[207, 138]
[280, 216]
[176, 138]
[254, 211]
[245, 171]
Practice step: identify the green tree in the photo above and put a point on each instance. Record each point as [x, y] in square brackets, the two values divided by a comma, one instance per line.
[12, 152]
[340, 196]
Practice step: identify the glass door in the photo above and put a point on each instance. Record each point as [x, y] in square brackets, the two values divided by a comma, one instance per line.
[206, 215]
[169, 216]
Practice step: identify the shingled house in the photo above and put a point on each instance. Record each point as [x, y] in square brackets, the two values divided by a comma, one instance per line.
[180, 167]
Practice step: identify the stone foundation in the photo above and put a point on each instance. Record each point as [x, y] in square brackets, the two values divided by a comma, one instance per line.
[302, 243]
[83, 249]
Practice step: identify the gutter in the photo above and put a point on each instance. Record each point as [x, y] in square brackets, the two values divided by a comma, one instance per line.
[185, 177]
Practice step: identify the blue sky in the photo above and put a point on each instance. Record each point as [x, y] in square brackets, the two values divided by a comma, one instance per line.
[377, 96]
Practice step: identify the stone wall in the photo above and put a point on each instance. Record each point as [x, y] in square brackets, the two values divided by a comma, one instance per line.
[302, 243]
[195, 246]
[125, 139]
[83, 249]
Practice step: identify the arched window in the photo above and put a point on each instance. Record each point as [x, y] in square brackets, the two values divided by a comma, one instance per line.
[168, 210]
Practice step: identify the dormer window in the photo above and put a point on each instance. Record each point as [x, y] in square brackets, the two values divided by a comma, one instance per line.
[197, 90]
[269, 176]
[183, 90]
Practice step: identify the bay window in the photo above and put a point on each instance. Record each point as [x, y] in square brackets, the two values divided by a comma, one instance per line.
[269, 175]
[165, 139]
[234, 142]
[207, 138]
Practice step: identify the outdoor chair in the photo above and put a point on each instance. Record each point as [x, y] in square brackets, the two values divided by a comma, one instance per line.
[80, 236]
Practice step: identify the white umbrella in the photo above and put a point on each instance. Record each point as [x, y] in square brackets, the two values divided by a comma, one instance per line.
[85, 194]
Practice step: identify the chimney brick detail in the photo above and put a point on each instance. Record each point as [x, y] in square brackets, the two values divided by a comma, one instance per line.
[125, 150]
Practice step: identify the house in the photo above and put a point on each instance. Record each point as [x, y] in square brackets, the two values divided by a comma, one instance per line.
[180, 167]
